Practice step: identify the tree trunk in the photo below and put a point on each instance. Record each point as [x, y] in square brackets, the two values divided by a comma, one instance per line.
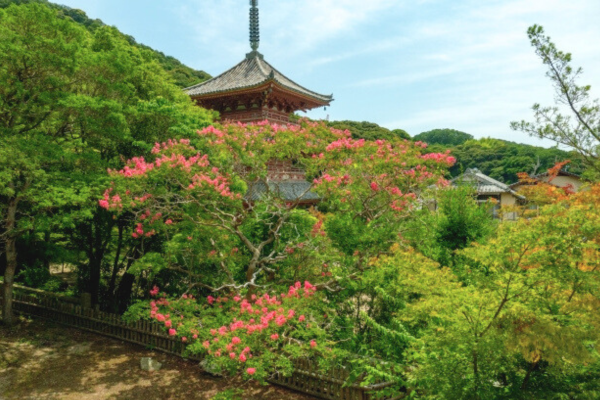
[476, 368]
[99, 235]
[529, 371]
[117, 264]
[124, 291]
[125, 288]
[11, 263]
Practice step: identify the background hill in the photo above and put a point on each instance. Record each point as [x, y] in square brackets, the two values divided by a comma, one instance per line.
[182, 75]
[498, 158]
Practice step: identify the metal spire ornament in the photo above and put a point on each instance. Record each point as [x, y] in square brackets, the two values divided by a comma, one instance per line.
[254, 25]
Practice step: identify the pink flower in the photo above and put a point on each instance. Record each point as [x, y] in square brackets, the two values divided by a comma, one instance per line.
[206, 344]
[236, 340]
[169, 222]
[172, 332]
[168, 324]
[160, 317]
[242, 358]
[301, 318]
[232, 355]
[251, 371]
[313, 344]
[195, 336]
[210, 299]
[184, 339]
[275, 336]
[374, 186]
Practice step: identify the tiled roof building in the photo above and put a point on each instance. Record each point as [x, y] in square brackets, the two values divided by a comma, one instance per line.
[485, 185]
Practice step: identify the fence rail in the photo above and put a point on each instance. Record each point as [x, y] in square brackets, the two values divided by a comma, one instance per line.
[76, 313]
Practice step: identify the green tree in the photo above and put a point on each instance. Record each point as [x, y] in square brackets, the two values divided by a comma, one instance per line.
[450, 137]
[581, 129]
[457, 221]
[72, 105]
[182, 75]
[522, 325]
[369, 130]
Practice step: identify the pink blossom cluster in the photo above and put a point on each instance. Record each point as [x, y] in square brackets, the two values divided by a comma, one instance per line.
[219, 183]
[317, 229]
[264, 313]
[211, 130]
[108, 202]
[326, 178]
[165, 318]
[169, 144]
[442, 158]
[345, 143]
[139, 232]
[186, 164]
[137, 166]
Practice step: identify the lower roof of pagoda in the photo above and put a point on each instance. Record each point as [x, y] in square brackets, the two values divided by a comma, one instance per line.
[269, 94]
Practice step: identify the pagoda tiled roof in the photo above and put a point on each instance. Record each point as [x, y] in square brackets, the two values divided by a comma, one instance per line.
[252, 72]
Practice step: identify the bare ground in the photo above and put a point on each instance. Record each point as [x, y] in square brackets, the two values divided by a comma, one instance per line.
[42, 360]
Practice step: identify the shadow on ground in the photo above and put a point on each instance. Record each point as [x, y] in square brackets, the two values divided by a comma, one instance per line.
[41, 360]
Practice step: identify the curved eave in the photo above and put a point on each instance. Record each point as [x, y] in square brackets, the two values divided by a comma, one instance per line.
[259, 87]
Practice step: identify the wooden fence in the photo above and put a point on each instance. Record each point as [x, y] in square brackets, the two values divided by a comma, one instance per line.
[70, 311]
[307, 378]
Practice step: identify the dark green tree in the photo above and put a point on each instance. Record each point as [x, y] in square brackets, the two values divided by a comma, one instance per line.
[73, 104]
[448, 137]
[369, 130]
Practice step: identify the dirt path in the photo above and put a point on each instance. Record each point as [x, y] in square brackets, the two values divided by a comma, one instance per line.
[41, 360]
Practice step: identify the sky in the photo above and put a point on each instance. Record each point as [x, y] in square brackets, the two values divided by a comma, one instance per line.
[411, 64]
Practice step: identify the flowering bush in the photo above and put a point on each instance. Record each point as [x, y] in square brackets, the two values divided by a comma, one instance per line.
[223, 228]
[254, 336]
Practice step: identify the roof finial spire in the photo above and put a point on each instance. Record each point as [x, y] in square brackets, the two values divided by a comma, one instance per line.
[254, 26]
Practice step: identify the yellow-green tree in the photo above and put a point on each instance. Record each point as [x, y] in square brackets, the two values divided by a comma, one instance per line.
[526, 324]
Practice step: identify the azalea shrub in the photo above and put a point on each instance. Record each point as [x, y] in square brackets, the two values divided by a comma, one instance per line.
[256, 336]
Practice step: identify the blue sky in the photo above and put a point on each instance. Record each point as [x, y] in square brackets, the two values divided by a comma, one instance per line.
[415, 65]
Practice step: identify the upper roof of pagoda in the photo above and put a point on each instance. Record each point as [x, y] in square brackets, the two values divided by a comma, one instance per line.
[251, 73]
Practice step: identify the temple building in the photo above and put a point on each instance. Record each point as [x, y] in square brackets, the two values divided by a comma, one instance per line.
[253, 90]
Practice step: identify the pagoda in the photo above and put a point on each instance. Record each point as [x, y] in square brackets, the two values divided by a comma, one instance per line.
[253, 90]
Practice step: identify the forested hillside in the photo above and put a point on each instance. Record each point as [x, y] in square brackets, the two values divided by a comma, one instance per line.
[500, 159]
[183, 75]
